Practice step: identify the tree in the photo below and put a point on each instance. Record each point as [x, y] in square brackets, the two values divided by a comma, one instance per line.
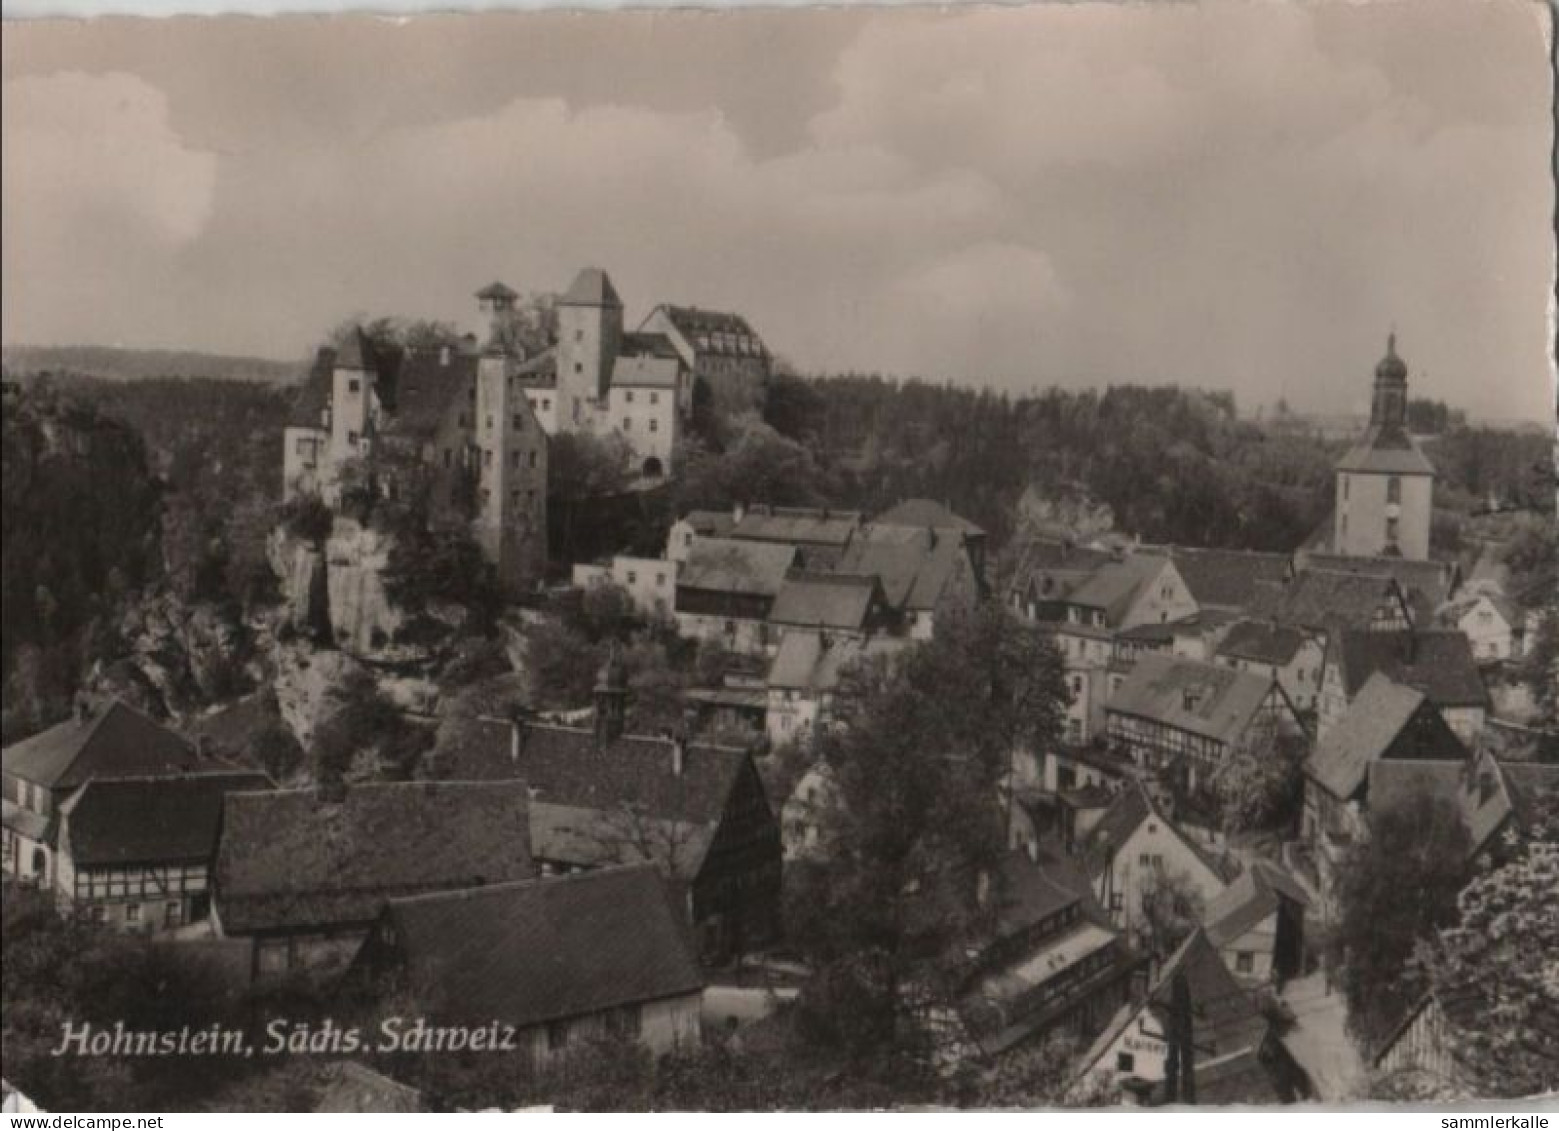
[915, 822]
[561, 665]
[759, 464]
[1171, 909]
[1493, 971]
[1261, 785]
[1396, 886]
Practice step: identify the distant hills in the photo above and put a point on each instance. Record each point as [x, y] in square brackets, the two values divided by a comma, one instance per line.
[118, 364]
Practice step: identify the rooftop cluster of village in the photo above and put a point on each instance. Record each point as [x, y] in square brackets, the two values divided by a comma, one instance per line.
[571, 879]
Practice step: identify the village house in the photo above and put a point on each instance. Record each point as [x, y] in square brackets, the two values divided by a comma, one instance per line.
[925, 572]
[837, 604]
[1427, 585]
[1139, 589]
[1327, 600]
[926, 514]
[110, 739]
[1292, 656]
[721, 350]
[458, 412]
[1135, 846]
[726, 588]
[1437, 662]
[1049, 962]
[564, 961]
[1227, 581]
[137, 853]
[600, 797]
[651, 583]
[1189, 718]
[805, 677]
[1257, 924]
[1236, 1054]
[1047, 570]
[303, 873]
[1494, 625]
[1194, 637]
[1386, 720]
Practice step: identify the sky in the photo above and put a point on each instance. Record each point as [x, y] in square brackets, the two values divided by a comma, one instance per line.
[1233, 195]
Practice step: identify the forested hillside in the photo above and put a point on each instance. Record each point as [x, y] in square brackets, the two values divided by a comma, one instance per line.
[114, 363]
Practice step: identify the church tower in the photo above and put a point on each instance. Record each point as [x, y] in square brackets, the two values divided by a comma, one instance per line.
[590, 330]
[1385, 483]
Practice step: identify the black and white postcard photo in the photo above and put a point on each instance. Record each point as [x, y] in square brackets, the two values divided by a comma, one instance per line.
[796, 559]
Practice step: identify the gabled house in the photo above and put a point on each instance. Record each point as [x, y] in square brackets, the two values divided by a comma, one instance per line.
[137, 853]
[554, 963]
[926, 514]
[302, 874]
[1134, 845]
[805, 675]
[1257, 924]
[1494, 625]
[1437, 662]
[838, 604]
[1047, 570]
[721, 350]
[111, 739]
[1386, 720]
[1426, 584]
[1236, 1054]
[819, 534]
[1325, 600]
[602, 797]
[726, 589]
[924, 572]
[1229, 581]
[1139, 589]
[1048, 960]
[1290, 655]
[1190, 718]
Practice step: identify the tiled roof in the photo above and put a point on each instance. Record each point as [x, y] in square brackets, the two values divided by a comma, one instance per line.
[584, 837]
[1228, 1018]
[295, 859]
[539, 372]
[645, 371]
[568, 766]
[1209, 700]
[116, 740]
[1438, 662]
[1478, 792]
[546, 950]
[716, 332]
[313, 394]
[808, 526]
[647, 343]
[1327, 598]
[1262, 641]
[1229, 579]
[428, 382]
[729, 565]
[1114, 585]
[1431, 582]
[1254, 895]
[710, 524]
[825, 600]
[1376, 723]
[915, 565]
[591, 287]
[144, 820]
[805, 662]
[927, 514]
[1386, 450]
[1061, 561]
[1127, 811]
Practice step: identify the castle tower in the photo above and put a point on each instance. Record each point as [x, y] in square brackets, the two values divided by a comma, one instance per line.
[352, 410]
[511, 518]
[590, 328]
[1385, 483]
[496, 300]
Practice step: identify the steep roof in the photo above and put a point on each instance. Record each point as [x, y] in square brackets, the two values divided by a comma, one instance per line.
[568, 766]
[645, 371]
[825, 600]
[295, 859]
[1253, 896]
[115, 740]
[1113, 586]
[1228, 1019]
[1130, 808]
[1481, 792]
[813, 661]
[1437, 662]
[539, 372]
[1386, 450]
[313, 394]
[144, 820]
[648, 343]
[716, 332]
[1326, 598]
[1429, 583]
[1229, 579]
[429, 381]
[914, 564]
[1209, 700]
[927, 514]
[591, 287]
[808, 526]
[1058, 559]
[586, 837]
[1376, 724]
[1263, 642]
[545, 950]
[730, 565]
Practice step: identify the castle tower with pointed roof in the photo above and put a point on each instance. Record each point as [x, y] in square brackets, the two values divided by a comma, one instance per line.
[1385, 483]
[590, 330]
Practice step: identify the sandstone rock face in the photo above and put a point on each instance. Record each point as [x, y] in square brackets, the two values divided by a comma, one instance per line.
[343, 586]
[308, 685]
[177, 657]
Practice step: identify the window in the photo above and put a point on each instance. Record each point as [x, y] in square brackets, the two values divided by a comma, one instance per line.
[354, 385]
[633, 577]
[579, 367]
[654, 425]
[1117, 901]
[132, 913]
[514, 459]
[546, 404]
[1150, 860]
[579, 335]
[449, 457]
[660, 579]
[487, 457]
[627, 424]
[628, 396]
[557, 1035]
[1392, 528]
[351, 438]
[489, 420]
[654, 398]
[173, 914]
[99, 913]
[519, 422]
[1394, 490]
[1244, 962]
[1125, 1062]
[533, 459]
